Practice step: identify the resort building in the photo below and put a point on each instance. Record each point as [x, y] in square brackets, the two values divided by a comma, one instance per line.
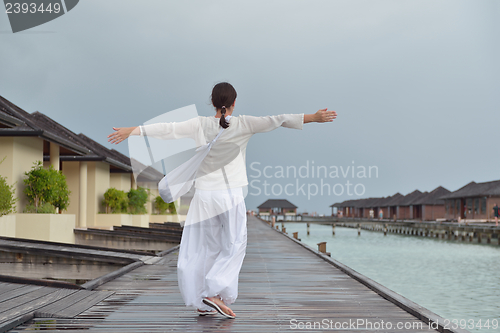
[282, 209]
[413, 206]
[473, 202]
[90, 169]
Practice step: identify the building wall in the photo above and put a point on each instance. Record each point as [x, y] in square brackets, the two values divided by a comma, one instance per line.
[490, 203]
[72, 172]
[20, 153]
[404, 212]
[386, 212]
[120, 181]
[97, 184]
[433, 212]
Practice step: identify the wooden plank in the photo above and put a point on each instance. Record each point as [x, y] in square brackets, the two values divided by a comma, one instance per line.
[164, 253]
[62, 303]
[39, 282]
[24, 289]
[25, 298]
[16, 321]
[82, 305]
[6, 286]
[44, 296]
[110, 276]
[69, 307]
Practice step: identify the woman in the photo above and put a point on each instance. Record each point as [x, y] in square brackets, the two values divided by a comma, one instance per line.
[214, 238]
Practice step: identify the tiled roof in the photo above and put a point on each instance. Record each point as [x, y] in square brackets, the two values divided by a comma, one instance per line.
[277, 203]
[409, 198]
[474, 189]
[18, 122]
[433, 197]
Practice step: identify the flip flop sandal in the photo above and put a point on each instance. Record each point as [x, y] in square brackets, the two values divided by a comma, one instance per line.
[216, 307]
[206, 313]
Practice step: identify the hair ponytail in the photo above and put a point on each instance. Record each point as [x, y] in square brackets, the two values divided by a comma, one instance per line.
[223, 96]
[222, 120]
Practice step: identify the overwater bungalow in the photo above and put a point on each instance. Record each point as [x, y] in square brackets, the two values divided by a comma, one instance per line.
[392, 205]
[473, 202]
[282, 209]
[430, 207]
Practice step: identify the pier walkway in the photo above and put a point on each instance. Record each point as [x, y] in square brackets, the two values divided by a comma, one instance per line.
[283, 285]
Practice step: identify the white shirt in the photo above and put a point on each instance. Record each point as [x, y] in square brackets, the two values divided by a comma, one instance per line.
[204, 129]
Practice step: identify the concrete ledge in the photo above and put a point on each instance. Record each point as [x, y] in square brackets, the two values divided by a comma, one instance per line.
[411, 307]
[110, 220]
[166, 218]
[46, 227]
[8, 225]
[140, 221]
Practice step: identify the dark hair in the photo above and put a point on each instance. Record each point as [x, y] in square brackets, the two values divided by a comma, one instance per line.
[223, 96]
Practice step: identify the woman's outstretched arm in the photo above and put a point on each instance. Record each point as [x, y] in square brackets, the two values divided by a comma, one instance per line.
[269, 123]
[167, 131]
[322, 116]
[121, 133]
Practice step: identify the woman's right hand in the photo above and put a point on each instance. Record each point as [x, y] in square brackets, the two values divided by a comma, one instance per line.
[120, 134]
[323, 116]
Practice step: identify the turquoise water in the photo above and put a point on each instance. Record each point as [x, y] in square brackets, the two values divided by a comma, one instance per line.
[452, 279]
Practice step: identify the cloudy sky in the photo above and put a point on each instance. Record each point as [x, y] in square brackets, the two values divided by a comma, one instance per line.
[415, 83]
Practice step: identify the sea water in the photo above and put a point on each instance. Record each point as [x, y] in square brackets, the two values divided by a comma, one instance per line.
[456, 280]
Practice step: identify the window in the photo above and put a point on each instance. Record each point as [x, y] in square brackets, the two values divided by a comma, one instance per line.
[457, 207]
[476, 206]
[483, 206]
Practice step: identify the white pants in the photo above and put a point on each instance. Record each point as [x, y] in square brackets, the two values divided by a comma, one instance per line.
[212, 247]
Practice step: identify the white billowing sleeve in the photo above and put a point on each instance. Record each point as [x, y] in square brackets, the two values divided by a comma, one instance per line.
[174, 130]
[269, 123]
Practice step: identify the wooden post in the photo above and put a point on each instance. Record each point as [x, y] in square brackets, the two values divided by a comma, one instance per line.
[308, 228]
[296, 235]
[385, 229]
[273, 221]
[322, 247]
[283, 229]
[488, 238]
[479, 239]
[333, 229]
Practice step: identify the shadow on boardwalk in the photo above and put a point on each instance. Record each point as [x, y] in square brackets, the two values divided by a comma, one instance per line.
[282, 284]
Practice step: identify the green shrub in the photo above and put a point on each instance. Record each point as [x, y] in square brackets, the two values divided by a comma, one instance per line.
[46, 186]
[137, 200]
[163, 207]
[45, 208]
[7, 197]
[115, 201]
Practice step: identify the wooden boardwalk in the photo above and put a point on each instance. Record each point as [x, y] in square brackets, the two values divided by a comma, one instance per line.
[282, 284]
